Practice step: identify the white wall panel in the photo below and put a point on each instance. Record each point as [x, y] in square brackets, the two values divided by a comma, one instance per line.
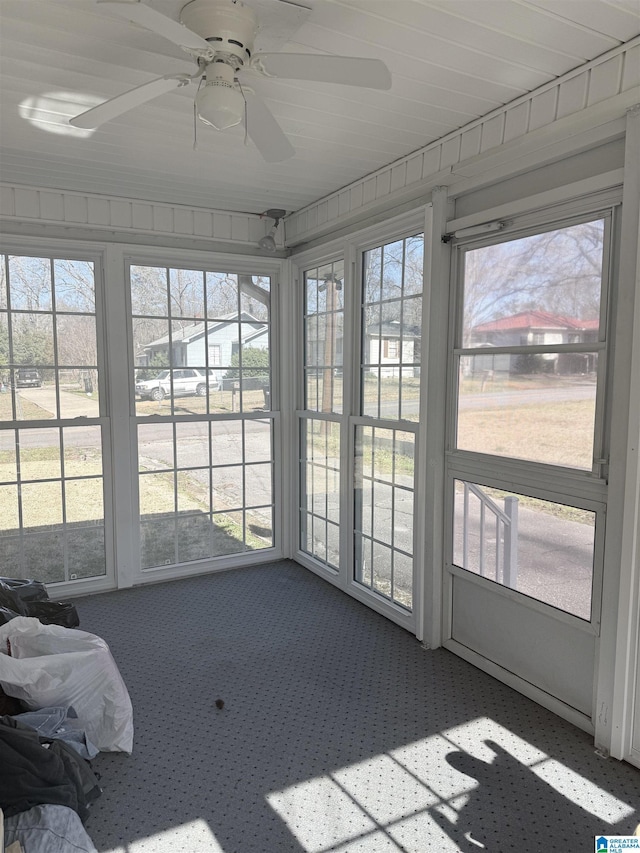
[357, 196]
[450, 152]
[202, 223]
[52, 206]
[76, 209]
[470, 142]
[142, 216]
[525, 643]
[99, 212]
[516, 121]
[431, 160]
[26, 203]
[120, 216]
[183, 221]
[605, 80]
[163, 219]
[414, 168]
[7, 201]
[544, 108]
[572, 95]
[492, 132]
[631, 72]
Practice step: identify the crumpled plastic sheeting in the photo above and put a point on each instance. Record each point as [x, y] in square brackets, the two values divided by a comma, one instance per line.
[49, 665]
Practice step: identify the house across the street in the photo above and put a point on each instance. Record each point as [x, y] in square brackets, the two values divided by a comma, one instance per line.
[533, 328]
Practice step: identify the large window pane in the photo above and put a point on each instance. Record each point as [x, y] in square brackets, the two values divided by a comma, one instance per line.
[202, 347]
[74, 286]
[392, 330]
[186, 293]
[540, 417]
[541, 289]
[320, 490]
[324, 337]
[529, 346]
[540, 548]
[206, 489]
[149, 294]
[30, 283]
[221, 294]
[384, 504]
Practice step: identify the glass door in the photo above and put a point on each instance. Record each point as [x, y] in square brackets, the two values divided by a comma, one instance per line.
[527, 467]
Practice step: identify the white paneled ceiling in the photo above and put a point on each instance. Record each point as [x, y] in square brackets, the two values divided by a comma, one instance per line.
[451, 61]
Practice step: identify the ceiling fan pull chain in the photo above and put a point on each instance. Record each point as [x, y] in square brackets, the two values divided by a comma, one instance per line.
[195, 118]
[246, 120]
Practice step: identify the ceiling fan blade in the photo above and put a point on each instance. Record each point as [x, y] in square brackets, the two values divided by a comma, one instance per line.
[128, 100]
[349, 70]
[265, 131]
[150, 19]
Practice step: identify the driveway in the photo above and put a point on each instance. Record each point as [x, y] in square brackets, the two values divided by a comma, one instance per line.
[72, 405]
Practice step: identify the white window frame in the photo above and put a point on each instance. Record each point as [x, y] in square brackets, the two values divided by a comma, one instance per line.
[95, 253]
[237, 264]
[351, 249]
[580, 488]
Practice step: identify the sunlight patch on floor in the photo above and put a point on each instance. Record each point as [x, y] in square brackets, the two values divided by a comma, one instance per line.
[196, 837]
[396, 801]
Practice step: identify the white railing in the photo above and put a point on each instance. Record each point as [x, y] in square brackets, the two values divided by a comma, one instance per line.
[505, 568]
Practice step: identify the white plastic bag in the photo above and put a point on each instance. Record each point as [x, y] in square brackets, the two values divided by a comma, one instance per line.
[46, 665]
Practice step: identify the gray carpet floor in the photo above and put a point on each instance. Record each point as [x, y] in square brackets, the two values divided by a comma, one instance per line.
[339, 733]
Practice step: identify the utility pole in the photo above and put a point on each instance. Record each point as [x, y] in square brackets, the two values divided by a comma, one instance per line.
[331, 285]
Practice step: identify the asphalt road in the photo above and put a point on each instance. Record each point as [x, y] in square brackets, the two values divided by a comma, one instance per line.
[555, 555]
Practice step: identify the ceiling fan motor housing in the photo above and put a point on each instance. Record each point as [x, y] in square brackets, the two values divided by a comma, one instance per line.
[230, 27]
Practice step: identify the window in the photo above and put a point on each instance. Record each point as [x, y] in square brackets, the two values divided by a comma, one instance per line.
[384, 471]
[543, 549]
[205, 432]
[323, 332]
[391, 331]
[527, 362]
[52, 506]
[391, 335]
[320, 440]
[391, 349]
[528, 366]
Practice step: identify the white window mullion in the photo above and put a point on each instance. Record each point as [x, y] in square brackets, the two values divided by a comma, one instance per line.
[123, 426]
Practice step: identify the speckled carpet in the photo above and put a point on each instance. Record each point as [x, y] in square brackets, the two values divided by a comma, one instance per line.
[338, 733]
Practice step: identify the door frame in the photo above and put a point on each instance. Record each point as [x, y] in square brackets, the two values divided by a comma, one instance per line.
[586, 489]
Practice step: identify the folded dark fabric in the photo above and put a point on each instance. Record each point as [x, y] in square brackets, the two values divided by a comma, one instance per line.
[35, 770]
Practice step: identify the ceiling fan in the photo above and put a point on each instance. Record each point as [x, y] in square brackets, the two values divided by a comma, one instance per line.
[219, 35]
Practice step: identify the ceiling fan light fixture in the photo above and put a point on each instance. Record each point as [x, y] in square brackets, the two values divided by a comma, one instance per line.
[219, 103]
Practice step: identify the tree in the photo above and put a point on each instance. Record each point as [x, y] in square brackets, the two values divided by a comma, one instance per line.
[42, 292]
[255, 362]
[556, 271]
[158, 361]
